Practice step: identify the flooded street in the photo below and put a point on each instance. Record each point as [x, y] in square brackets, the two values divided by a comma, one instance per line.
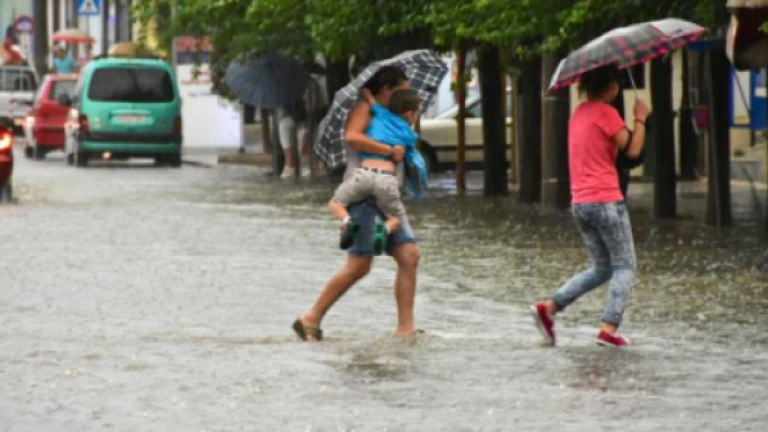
[137, 298]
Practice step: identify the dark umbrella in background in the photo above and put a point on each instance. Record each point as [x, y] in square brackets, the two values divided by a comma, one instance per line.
[626, 47]
[424, 69]
[268, 81]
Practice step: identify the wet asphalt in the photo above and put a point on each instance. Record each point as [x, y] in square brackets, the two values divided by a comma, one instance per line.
[143, 298]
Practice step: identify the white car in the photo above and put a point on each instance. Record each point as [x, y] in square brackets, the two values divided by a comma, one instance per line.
[439, 135]
[17, 92]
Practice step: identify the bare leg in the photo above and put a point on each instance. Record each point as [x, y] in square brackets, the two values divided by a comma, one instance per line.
[392, 224]
[355, 269]
[551, 307]
[289, 158]
[407, 257]
[338, 209]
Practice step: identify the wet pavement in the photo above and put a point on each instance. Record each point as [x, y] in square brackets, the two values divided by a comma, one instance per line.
[142, 298]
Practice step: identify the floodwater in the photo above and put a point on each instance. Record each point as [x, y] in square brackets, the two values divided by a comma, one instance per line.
[137, 298]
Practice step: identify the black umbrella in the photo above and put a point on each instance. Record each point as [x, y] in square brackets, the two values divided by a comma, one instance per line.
[268, 81]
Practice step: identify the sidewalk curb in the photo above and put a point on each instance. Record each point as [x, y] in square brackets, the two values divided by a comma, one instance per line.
[197, 164]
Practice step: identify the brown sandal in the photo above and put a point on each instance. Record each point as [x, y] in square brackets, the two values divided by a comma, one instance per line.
[305, 332]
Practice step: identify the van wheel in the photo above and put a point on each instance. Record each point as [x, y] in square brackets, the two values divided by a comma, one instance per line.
[6, 193]
[39, 153]
[430, 156]
[174, 161]
[81, 160]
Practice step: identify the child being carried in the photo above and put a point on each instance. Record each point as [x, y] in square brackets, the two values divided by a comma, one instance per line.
[377, 176]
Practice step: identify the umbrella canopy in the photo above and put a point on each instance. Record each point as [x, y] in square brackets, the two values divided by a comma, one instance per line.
[129, 49]
[626, 47]
[425, 71]
[72, 36]
[268, 81]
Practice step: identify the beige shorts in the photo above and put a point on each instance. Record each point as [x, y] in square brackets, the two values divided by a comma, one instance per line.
[364, 183]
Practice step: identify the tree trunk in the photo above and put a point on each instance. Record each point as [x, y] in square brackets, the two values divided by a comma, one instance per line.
[56, 18]
[665, 183]
[461, 127]
[337, 76]
[512, 133]
[104, 28]
[719, 190]
[555, 188]
[494, 124]
[688, 139]
[266, 134]
[41, 37]
[529, 131]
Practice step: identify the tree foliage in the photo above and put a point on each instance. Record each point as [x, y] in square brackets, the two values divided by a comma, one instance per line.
[369, 29]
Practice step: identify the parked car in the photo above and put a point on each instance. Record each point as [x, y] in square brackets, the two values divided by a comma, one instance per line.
[44, 127]
[6, 160]
[17, 91]
[125, 108]
[439, 135]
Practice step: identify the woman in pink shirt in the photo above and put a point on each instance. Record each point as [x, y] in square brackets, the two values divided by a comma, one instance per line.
[596, 134]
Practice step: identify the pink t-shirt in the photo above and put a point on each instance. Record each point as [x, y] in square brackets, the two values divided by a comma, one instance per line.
[592, 153]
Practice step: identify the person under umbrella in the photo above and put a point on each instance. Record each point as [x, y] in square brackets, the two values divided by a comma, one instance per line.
[377, 177]
[596, 133]
[63, 63]
[383, 83]
[270, 81]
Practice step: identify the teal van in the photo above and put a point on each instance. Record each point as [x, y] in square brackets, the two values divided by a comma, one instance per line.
[125, 108]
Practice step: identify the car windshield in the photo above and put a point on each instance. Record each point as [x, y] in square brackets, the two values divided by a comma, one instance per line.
[131, 84]
[17, 80]
[61, 88]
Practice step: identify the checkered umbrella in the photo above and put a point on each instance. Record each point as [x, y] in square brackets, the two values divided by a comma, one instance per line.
[425, 71]
[626, 47]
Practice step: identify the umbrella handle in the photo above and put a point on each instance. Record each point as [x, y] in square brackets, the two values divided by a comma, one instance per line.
[632, 80]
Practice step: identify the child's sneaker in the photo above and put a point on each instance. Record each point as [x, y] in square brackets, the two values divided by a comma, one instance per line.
[349, 230]
[612, 340]
[544, 322]
[380, 234]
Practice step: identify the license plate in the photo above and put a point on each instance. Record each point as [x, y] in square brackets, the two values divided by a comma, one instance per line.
[132, 119]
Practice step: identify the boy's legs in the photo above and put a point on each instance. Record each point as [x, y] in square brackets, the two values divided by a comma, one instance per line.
[357, 188]
[387, 194]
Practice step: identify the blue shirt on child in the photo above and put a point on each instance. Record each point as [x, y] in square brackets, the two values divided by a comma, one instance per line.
[388, 128]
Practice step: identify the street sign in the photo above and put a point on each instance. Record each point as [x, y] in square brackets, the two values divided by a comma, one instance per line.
[88, 7]
[24, 24]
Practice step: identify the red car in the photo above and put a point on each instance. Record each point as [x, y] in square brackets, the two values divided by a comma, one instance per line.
[48, 115]
[6, 162]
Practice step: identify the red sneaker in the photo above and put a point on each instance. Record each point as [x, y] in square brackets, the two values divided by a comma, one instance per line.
[612, 340]
[544, 322]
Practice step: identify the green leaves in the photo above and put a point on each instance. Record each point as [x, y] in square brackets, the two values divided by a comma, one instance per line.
[369, 29]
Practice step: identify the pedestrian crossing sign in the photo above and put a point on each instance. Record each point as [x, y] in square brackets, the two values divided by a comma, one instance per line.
[88, 7]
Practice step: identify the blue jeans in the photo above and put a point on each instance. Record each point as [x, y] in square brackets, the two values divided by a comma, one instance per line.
[607, 234]
[365, 213]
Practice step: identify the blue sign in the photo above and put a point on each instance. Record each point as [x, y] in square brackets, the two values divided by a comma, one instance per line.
[759, 95]
[88, 7]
